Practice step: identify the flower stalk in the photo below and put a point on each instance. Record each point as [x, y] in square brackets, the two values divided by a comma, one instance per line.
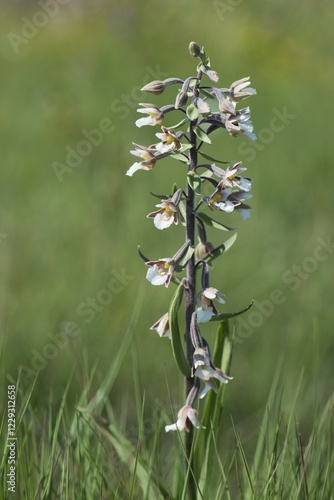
[205, 109]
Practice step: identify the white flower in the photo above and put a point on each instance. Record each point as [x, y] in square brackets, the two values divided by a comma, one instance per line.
[231, 176]
[164, 217]
[169, 141]
[204, 369]
[219, 200]
[207, 308]
[148, 162]
[227, 200]
[186, 416]
[155, 115]
[240, 124]
[160, 272]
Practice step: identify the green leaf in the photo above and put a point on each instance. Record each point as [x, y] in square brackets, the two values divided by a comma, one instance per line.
[177, 348]
[185, 147]
[192, 112]
[223, 316]
[194, 181]
[180, 157]
[174, 188]
[221, 249]
[202, 135]
[182, 210]
[200, 67]
[160, 196]
[212, 223]
[207, 157]
[207, 94]
[182, 122]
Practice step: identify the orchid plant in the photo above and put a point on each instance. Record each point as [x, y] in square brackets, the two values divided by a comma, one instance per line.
[204, 109]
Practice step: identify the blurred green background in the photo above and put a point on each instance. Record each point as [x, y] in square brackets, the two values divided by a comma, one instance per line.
[64, 238]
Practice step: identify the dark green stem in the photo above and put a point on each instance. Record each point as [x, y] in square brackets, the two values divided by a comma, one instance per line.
[190, 295]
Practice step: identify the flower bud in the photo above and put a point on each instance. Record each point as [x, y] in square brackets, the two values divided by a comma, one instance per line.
[194, 49]
[181, 99]
[202, 250]
[156, 87]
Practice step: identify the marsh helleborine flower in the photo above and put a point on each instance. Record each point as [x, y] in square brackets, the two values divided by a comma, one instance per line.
[186, 416]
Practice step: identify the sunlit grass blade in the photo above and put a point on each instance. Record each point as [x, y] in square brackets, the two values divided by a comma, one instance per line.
[129, 456]
[243, 459]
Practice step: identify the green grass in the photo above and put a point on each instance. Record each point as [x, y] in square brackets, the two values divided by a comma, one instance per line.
[63, 241]
[88, 451]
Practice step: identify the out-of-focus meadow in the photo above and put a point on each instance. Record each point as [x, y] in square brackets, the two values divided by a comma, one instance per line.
[65, 236]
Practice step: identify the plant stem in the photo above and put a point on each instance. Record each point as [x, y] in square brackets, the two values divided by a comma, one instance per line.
[190, 294]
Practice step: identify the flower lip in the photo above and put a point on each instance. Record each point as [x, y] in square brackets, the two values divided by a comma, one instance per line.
[160, 272]
[166, 215]
[206, 308]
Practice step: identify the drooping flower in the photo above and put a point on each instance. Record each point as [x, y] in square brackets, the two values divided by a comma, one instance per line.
[160, 272]
[204, 369]
[169, 141]
[167, 213]
[226, 200]
[206, 308]
[155, 115]
[240, 89]
[149, 159]
[165, 216]
[231, 176]
[186, 416]
[162, 326]
[219, 199]
[240, 124]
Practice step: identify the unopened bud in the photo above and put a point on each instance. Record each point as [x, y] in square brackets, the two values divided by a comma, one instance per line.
[213, 75]
[181, 99]
[194, 49]
[202, 250]
[156, 87]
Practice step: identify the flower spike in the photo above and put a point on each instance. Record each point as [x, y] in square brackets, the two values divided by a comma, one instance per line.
[205, 107]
